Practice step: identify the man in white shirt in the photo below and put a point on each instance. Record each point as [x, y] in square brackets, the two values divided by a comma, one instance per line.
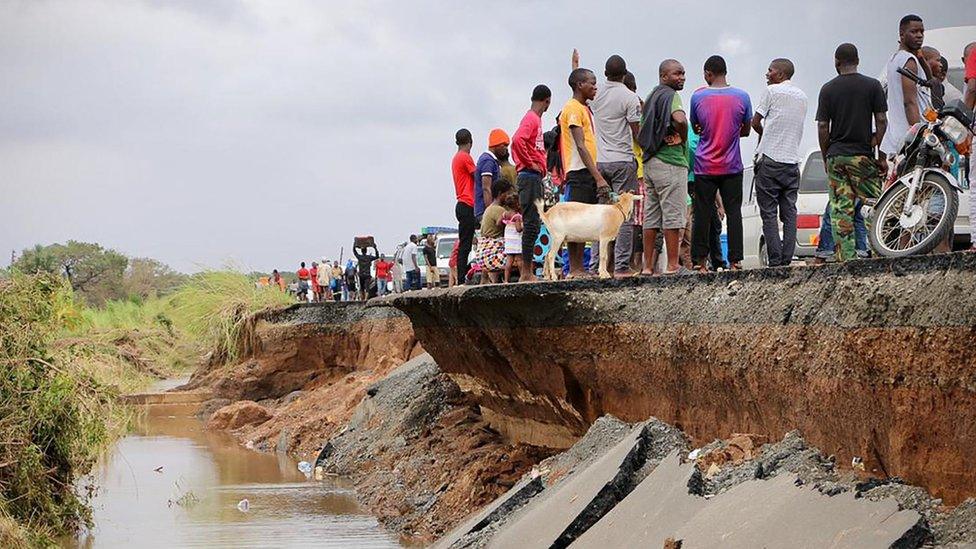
[907, 101]
[779, 119]
[616, 115]
[410, 266]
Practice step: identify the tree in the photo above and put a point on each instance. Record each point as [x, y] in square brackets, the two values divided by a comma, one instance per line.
[147, 277]
[94, 272]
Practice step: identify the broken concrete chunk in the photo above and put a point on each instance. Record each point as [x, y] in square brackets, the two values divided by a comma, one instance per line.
[746, 516]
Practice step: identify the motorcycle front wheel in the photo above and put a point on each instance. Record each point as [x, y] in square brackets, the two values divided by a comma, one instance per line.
[929, 220]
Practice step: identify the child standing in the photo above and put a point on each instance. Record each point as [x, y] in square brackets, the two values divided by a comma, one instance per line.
[513, 242]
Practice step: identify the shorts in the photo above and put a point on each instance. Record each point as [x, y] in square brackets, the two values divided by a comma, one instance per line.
[666, 192]
[433, 275]
[582, 187]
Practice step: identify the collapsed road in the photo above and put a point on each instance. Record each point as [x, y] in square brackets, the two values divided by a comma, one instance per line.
[867, 368]
[870, 359]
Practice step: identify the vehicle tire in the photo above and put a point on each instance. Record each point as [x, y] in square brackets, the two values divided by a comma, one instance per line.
[885, 235]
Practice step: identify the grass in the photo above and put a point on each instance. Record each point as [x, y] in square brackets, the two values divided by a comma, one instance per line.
[64, 367]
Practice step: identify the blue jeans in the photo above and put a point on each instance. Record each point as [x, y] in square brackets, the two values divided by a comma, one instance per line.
[413, 280]
[380, 286]
[825, 249]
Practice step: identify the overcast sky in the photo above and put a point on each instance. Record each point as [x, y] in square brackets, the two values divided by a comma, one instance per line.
[258, 134]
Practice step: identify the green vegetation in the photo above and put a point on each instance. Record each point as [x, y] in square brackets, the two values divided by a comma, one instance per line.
[65, 364]
[54, 418]
[98, 274]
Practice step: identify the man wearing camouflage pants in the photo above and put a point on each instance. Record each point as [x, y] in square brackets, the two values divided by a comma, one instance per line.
[854, 166]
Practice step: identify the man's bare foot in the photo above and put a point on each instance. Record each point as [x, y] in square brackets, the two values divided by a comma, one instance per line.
[620, 275]
[529, 277]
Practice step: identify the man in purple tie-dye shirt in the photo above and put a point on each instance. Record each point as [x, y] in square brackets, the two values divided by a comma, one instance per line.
[720, 114]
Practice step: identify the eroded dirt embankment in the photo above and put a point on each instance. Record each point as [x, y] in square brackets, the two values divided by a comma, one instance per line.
[873, 359]
[301, 372]
[418, 450]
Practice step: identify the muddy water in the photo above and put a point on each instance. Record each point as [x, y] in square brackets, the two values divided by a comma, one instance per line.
[192, 500]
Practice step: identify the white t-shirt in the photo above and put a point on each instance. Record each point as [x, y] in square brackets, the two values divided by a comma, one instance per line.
[783, 107]
[897, 121]
[410, 257]
[614, 108]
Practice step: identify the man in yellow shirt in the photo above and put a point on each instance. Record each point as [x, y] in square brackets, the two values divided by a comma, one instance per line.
[578, 148]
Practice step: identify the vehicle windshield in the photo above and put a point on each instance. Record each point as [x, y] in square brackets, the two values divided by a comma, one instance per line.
[954, 76]
[814, 178]
[445, 246]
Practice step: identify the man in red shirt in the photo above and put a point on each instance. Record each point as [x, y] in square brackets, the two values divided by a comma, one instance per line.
[463, 168]
[529, 154]
[303, 276]
[383, 268]
[969, 58]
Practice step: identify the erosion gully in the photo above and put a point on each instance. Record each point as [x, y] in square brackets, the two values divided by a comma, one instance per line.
[172, 483]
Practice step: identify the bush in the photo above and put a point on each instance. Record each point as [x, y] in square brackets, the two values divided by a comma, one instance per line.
[54, 418]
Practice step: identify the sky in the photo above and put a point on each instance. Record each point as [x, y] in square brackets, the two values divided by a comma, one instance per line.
[257, 134]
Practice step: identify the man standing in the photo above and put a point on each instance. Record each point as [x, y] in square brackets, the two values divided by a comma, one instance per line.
[382, 275]
[410, 266]
[779, 122]
[365, 260]
[303, 276]
[720, 115]
[529, 152]
[313, 278]
[578, 148]
[336, 281]
[969, 95]
[325, 281]
[616, 116]
[430, 257]
[906, 100]
[463, 170]
[663, 139]
[845, 110]
[488, 170]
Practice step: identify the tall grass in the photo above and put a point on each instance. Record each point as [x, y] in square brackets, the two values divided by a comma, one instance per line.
[213, 306]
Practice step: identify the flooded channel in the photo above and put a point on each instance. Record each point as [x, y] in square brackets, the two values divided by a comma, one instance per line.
[171, 483]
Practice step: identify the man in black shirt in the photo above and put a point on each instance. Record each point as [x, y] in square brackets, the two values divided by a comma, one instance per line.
[847, 105]
[430, 257]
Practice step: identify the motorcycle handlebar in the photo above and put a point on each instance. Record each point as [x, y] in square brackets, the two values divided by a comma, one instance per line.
[913, 77]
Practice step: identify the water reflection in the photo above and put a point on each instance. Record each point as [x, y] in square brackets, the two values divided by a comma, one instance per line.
[191, 501]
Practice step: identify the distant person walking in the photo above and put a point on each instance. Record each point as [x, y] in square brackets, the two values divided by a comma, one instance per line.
[720, 115]
[452, 266]
[906, 100]
[430, 258]
[663, 139]
[529, 153]
[616, 116]
[488, 170]
[410, 267]
[847, 107]
[463, 170]
[584, 181]
[779, 120]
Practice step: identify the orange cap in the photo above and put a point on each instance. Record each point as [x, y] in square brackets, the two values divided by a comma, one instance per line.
[497, 137]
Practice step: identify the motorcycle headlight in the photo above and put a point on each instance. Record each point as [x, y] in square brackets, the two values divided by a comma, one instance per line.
[955, 130]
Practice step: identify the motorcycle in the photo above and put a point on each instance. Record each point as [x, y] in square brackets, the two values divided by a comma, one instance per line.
[918, 210]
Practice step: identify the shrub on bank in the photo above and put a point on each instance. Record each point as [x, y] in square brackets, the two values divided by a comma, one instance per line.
[54, 418]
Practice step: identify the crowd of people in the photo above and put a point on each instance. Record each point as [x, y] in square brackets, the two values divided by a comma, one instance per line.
[685, 162]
